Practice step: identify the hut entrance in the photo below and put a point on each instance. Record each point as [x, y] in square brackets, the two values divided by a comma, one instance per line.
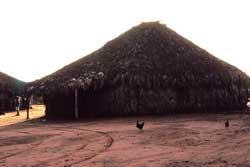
[60, 106]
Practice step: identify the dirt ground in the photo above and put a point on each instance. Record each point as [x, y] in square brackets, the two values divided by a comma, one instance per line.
[10, 118]
[166, 141]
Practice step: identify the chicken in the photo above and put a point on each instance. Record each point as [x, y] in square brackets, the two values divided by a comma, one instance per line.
[139, 125]
[227, 124]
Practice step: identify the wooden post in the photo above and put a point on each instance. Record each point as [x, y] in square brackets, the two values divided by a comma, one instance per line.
[76, 104]
[28, 108]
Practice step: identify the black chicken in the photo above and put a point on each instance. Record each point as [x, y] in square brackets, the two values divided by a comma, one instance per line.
[139, 125]
[227, 124]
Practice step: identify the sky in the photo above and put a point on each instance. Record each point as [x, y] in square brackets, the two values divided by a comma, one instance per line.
[38, 37]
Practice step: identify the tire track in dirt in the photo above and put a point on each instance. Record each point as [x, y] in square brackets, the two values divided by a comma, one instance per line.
[97, 143]
[60, 159]
[47, 163]
[33, 146]
[106, 146]
[21, 152]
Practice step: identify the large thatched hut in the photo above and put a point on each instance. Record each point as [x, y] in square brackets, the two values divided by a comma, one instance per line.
[9, 88]
[148, 69]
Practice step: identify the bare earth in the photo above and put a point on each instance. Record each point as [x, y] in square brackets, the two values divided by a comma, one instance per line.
[166, 141]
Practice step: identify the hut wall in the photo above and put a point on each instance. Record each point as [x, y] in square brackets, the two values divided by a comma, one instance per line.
[137, 101]
[62, 106]
[6, 101]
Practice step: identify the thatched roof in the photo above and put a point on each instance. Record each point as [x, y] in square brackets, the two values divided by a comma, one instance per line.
[149, 55]
[10, 84]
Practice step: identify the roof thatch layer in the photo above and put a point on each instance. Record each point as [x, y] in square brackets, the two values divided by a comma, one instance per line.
[151, 67]
[10, 84]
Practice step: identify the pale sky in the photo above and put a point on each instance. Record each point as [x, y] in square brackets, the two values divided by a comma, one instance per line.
[38, 37]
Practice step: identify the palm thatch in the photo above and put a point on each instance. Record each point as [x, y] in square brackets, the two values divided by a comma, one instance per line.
[9, 88]
[148, 69]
